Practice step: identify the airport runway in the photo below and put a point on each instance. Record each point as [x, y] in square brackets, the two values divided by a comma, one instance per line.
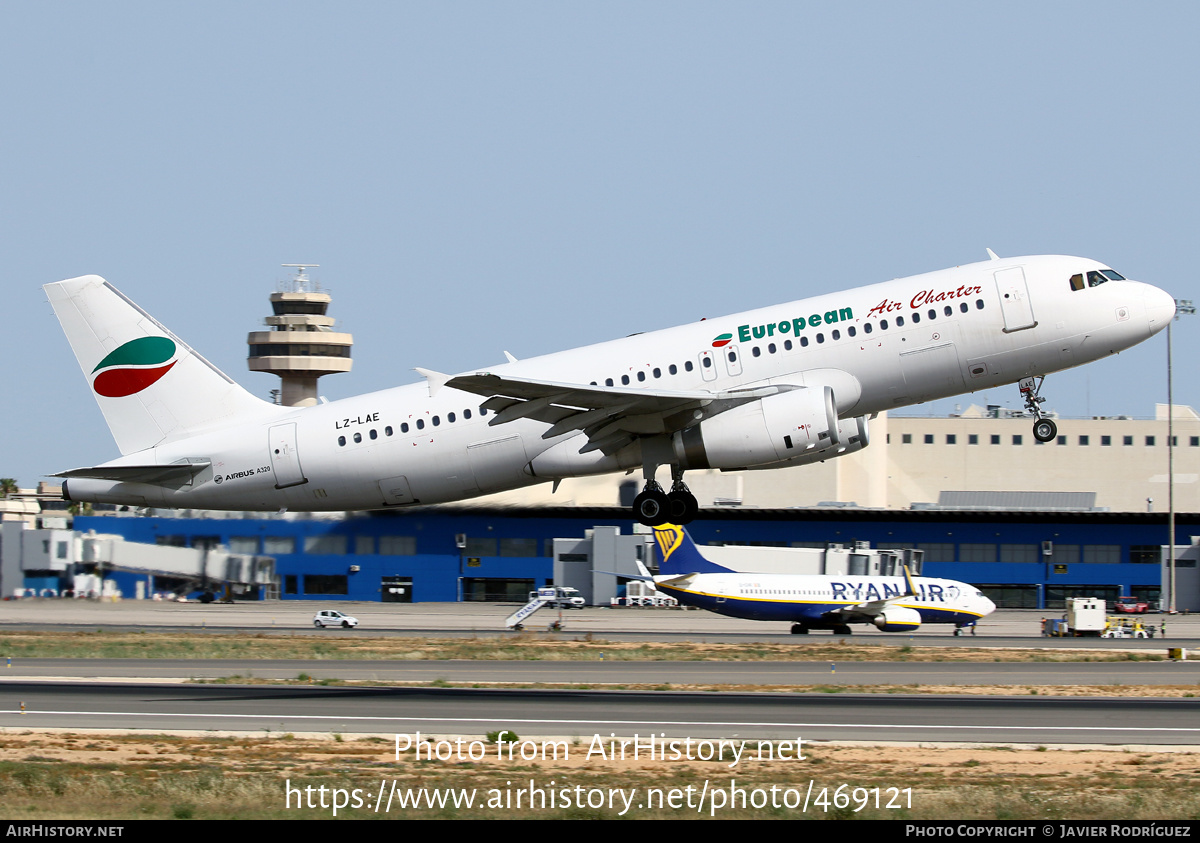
[618, 672]
[1007, 627]
[114, 694]
[578, 714]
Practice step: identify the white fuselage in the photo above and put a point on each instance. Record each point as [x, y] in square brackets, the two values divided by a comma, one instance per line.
[818, 600]
[881, 347]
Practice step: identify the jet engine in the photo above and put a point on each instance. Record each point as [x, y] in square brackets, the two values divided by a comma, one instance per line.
[897, 619]
[779, 428]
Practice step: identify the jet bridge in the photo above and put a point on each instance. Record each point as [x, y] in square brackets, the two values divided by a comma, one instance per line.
[58, 560]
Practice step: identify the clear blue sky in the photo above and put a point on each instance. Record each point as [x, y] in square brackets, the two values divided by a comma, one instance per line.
[475, 177]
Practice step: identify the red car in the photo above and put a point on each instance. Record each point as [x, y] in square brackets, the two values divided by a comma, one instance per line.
[1132, 606]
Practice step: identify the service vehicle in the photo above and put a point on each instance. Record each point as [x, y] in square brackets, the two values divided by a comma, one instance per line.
[1131, 605]
[565, 597]
[332, 617]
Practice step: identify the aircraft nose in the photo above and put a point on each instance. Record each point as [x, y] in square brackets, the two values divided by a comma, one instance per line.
[988, 605]
[1160, 308]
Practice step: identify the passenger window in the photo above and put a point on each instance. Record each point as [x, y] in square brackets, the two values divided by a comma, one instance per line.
[450, 417]
[625, 380]
[687, 365]
[787, 345]
[820, 338]
[867, 328]
[883, 324]
[948, 310]
[466, 414]
[657, 372]
[771, 347]
[387, 431]
[979, 304]
[641, 376]
[420, 424]
[404, 427]
[342, 440]
[673, 369]
[963, 307]
[357, 438]
[837, 335]
[850, 331]
[436, 421]
[374, 434]
[608, 381]
[900, 320]
[756, 351]
[707, 363]
[804, 342]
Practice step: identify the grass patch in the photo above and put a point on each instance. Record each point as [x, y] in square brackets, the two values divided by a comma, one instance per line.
[523, 647]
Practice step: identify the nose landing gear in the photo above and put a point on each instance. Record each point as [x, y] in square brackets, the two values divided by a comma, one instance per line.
[1044, 429]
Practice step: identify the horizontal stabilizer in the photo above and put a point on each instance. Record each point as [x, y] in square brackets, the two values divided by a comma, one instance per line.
[153, 474]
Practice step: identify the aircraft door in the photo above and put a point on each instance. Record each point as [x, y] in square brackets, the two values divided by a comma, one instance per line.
[285, 459]
[1014, 300]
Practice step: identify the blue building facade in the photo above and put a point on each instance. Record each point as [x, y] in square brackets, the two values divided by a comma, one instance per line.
[1021, 559]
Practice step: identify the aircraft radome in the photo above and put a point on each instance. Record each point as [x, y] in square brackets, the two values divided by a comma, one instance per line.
[812, 601]
[784, 385]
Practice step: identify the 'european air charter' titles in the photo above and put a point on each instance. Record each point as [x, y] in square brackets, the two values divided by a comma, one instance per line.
[923, 298]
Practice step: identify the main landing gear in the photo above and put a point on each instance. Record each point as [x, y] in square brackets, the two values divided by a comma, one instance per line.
[654, 507]
[1044, 429]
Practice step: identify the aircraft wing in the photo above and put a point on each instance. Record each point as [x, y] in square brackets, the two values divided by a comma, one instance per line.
[611, 417]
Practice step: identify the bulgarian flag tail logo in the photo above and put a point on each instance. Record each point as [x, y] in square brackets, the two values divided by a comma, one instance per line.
[723, 339]
[130, 368]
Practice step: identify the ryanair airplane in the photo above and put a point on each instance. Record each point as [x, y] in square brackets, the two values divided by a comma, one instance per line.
[812, 601]
[786, 385]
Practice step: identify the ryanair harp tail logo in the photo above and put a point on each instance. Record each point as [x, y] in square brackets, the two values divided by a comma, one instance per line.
[130, 368]
[669, 539]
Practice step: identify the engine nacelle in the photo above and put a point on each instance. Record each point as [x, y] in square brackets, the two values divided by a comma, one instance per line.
[853, 435]
[776, 429]
[897, 619]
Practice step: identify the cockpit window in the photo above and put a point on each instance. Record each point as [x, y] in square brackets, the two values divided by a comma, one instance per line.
[1077, 282]
[1095, 279]
[1112, 276]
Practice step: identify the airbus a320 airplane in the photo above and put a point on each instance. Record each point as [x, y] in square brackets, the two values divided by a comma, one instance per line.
[784, 385]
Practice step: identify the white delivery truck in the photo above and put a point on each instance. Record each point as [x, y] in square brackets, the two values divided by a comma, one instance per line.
[1086, 616]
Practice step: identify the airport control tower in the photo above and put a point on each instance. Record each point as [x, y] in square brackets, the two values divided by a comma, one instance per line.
[301, 344]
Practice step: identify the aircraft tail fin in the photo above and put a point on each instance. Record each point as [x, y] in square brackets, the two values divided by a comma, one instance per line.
[151, 386]
[680, 554]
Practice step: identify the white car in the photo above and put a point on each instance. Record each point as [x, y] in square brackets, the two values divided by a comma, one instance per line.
[332, 617]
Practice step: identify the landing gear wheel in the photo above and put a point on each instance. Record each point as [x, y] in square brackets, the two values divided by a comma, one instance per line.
[1045, 430]
[652, 508]
[683, 507]
[799, 629]
[842, 629]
